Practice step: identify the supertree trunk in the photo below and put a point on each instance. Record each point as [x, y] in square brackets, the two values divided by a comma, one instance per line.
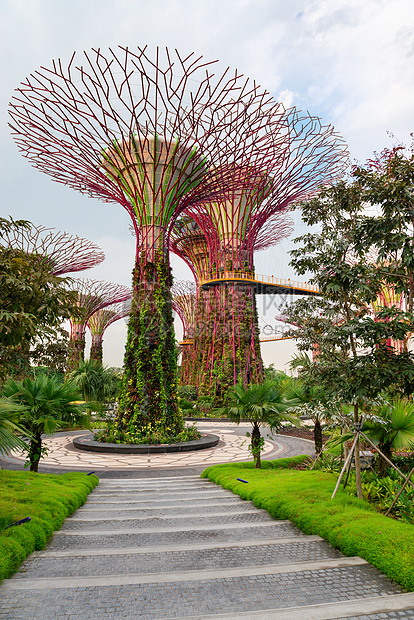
[229, 348]
[100, 320]
[148, 393]
[77, 346]
[96, 352]
[93, 296]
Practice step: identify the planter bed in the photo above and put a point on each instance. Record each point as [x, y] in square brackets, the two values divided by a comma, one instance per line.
[90, 445]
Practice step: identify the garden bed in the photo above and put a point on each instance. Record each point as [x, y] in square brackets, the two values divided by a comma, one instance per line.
[90, 445]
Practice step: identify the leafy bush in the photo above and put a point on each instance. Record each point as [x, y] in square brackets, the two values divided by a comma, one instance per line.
[188, 392]
[47, 499]
[349, 524]
[147, 435]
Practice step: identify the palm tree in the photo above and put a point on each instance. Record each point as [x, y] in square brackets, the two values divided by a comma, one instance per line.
[97, 384]
[48, 405]
[311, 400]
[392, 429]
[9, 416]
[260, 404]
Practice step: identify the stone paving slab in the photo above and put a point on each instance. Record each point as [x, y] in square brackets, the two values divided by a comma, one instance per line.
[145, 523]
[98, 513]
[181, 599]
[137, 539]
[162, 561]
[231, 448]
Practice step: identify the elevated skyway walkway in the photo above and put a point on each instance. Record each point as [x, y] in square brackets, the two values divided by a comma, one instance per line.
[264, 285]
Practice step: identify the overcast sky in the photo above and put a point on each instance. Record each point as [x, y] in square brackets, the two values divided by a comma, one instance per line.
[348, 61]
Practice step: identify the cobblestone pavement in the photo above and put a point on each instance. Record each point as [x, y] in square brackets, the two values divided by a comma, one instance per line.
[184, 548]
[62, 455]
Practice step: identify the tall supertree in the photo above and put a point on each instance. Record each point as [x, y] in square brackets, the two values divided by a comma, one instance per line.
[185, 305]
[197, 247]
[305, 157]
[93, 295]
[62, 253]
[99, 322]
[152, 134]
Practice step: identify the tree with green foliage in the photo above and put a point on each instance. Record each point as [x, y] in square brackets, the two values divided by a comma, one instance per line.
[48, 405]
[33, 304]
[96, 383]
[9, 418]
[261, 404]
[354, 362]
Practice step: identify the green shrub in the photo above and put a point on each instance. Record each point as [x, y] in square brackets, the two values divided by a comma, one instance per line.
[349, 524]
[47, 499]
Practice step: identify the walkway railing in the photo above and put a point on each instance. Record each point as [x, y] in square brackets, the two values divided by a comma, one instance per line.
[240, 276]
[274, 338]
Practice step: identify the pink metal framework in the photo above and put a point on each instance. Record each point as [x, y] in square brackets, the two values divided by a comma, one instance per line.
[303, 156]
[62, 253]
[185, 305]
[128, 128]
[93, 295]
[189, 241]
[99, 322]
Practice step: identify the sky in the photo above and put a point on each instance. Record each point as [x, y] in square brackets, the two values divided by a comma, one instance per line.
[348, 61]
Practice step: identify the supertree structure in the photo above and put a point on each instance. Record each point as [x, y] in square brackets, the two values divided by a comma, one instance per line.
[152, 134]
[93, 295]
[61, 253]
[185, 305]
[304, 157]
[196, 246]
[99, 322]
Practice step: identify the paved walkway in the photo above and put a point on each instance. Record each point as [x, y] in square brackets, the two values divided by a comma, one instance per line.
[186, 548]
[231, 448]
[154, 541]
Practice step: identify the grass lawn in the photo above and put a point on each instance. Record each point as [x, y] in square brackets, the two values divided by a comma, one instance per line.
[47, 499]
[349, 524]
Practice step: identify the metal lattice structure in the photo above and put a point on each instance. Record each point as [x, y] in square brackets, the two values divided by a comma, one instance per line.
[93, 295]
[199, 247]
[185, 305]
[153, 134]
[61, 252]
[156, 135]
[99, 322]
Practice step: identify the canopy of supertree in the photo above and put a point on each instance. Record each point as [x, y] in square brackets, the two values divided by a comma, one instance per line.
[99, 322]
[93, 295]
[185, 305]
[154, 134]
[62, 253]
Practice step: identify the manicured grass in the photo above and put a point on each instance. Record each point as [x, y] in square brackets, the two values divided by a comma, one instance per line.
[349, 524]
[47, 499]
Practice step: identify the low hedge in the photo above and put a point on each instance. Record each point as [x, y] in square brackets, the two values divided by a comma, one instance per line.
[47, 499]
[347, 523]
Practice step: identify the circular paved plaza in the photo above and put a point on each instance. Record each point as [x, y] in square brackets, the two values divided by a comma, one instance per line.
[232, 447]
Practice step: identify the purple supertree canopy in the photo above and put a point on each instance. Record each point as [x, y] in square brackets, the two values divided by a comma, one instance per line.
[101, 320]
[127, 128]
[93, 295]
[104, 317]
[61, 253]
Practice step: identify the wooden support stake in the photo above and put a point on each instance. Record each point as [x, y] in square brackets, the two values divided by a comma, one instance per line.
[348, 460]
[399, 493]
[386, 459]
